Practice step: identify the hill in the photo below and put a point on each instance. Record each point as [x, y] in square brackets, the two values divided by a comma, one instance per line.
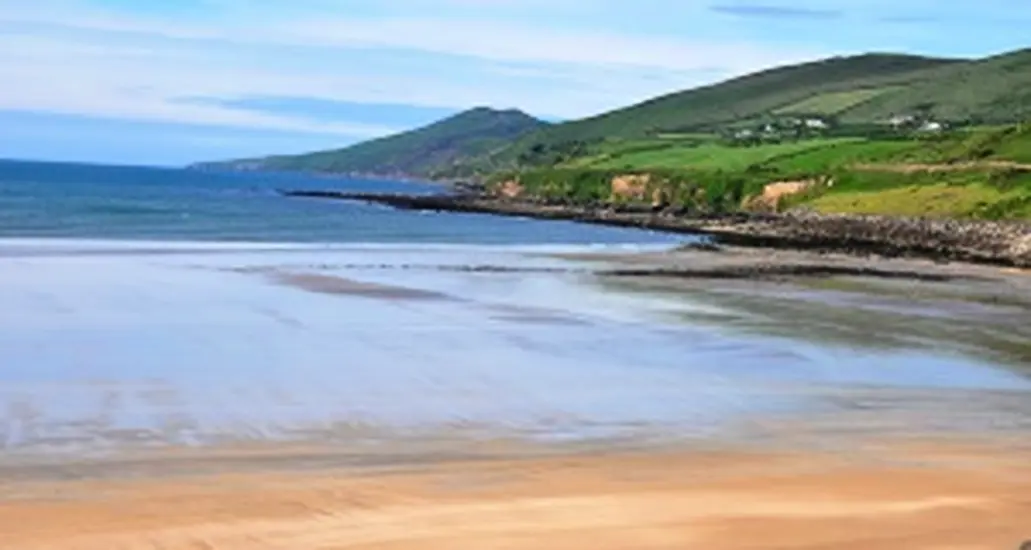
[845, 80]
[994, 90]
[858, 94]
[460, 145]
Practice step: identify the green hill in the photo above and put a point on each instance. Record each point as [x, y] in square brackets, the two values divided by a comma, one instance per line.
[865, 90]
[995, 90]
[751, 97]
[460, 145]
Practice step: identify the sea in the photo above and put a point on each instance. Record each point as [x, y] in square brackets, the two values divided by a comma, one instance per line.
[152, 307]
[129, 203]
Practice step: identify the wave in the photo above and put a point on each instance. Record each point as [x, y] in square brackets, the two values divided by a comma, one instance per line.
[22, 246]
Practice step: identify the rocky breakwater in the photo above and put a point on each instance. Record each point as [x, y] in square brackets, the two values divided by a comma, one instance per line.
[1001, 243]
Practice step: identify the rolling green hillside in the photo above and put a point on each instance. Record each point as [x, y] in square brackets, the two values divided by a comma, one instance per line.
[860, 90]
[995, 90]
[749, 97]
[459, 145]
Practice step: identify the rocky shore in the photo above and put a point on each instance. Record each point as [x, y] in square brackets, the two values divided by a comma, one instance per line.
[998, 243]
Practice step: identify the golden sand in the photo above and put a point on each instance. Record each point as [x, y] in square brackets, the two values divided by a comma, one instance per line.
[911, 497]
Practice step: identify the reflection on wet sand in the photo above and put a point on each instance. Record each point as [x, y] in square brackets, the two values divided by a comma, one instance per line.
[980, 311]
[329, 284]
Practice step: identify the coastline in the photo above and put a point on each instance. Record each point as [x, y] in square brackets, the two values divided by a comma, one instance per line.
[984, 242]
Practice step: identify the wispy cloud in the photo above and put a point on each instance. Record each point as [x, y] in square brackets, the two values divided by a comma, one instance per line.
[394, 114]
[769, 11]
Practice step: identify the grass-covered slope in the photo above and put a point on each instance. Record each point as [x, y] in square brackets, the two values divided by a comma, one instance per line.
[860, 90]
[459, 145]
[994, 90]
[749, 97]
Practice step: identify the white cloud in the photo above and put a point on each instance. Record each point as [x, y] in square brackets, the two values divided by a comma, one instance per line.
[134, 84]
[498, 41]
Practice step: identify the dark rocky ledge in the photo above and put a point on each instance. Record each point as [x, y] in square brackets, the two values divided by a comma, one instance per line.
[1000, 243]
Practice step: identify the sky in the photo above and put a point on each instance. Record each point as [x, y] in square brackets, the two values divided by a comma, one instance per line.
[168, 82]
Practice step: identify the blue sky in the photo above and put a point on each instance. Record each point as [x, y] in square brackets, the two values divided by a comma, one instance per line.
[173, 81]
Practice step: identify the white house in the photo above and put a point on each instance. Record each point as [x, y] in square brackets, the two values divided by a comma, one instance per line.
[816, 124]
[901, 120]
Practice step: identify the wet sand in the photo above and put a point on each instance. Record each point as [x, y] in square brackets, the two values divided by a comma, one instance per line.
[328, 284]
[869, 302]
[896, 495]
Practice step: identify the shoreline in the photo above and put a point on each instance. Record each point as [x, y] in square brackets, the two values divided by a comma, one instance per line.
[983, 242]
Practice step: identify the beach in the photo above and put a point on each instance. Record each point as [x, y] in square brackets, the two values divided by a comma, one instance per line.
[914, 494]
[228, 395]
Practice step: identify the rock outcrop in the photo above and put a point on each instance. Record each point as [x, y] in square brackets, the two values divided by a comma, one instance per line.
[1000, 243]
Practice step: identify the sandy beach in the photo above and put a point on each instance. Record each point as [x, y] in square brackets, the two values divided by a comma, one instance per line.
[234, 397]
[897, 495]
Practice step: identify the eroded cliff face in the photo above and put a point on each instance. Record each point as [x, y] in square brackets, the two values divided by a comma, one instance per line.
[510, 189]
[630, 187]
[772, 197]
[638, 187]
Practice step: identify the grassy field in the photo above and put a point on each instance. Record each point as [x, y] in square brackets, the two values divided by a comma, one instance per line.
[966, 194]
[832, 103]
[1016, 147]
[965, 174]
[709, 156]
[841, 155]
[938, 200]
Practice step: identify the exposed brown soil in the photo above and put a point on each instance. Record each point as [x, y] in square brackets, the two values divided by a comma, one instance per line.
[774, 192]
[630, 186]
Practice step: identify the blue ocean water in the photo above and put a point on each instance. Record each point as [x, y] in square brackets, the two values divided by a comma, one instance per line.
[108, 202]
